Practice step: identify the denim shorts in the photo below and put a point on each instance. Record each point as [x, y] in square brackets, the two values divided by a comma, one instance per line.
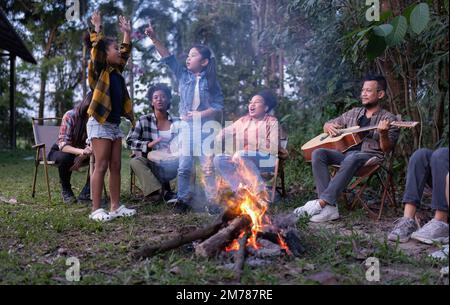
[107, 130]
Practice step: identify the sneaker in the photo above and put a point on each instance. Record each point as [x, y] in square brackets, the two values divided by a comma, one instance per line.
[441, 254]
[180, 207]
[122, 211]
[444, 271]
[85, 194]
[328, 213]
[403, 229]
[68, 196]
[310, 208]
[434, 231]
[169, 196]
[152, 198]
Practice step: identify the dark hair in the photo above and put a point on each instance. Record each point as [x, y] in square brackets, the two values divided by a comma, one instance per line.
[211, 74]
[381, 81]
[270, 100]
[160, 87]
[78, 132]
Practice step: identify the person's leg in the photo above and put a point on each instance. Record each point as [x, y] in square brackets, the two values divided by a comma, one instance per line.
[348, 167]
[102, 153]
[250, 165]
[142, 168]
[226, 168]
[439, 171]
[417, 176]
[114, 173]
[436, 230]
[321, 159]
[209, 177]
[64, 161]
[184, 177]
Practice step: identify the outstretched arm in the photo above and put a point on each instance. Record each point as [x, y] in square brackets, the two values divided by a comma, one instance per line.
[162, 50]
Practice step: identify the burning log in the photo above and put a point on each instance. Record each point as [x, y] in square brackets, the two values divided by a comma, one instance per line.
[181, 239]
[218, 241]
[239, 257]
[293, 241]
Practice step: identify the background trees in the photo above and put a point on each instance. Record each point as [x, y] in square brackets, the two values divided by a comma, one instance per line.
[312, 53]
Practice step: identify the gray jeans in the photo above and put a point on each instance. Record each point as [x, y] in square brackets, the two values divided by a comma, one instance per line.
[431, 168]
[329, 189]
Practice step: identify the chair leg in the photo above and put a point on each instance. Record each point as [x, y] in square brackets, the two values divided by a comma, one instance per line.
[46, 175]
[283, 183]
[36, 165]
[275, 180]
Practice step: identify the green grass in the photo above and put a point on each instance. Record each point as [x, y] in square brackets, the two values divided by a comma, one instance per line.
[37, 236]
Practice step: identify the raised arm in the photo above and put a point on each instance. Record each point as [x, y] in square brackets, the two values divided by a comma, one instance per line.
[162, 50]
[97, 61]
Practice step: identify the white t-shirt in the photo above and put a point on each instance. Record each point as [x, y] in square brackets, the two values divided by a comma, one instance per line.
[196, 100]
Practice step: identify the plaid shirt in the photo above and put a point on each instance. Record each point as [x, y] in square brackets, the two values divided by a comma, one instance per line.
[145, 131]
[371, 143]
[64, 137]
[98, 77]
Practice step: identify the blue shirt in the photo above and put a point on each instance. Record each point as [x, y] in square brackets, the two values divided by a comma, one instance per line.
[186, 86]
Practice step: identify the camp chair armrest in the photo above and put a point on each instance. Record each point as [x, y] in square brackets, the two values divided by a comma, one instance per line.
[38, 145]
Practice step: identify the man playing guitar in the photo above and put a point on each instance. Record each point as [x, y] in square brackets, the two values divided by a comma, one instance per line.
[374, 145]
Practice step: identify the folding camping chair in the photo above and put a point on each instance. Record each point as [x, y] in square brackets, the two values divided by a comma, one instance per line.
[44, 137]
[376, 169]
[277, 176]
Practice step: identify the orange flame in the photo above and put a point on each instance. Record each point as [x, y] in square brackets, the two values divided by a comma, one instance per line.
[252, 203]
[234, 246]
[283, 244]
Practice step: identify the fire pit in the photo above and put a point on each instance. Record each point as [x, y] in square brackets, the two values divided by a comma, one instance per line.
[243, 229]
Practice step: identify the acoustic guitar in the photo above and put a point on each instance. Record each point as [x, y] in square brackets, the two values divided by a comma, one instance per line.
[346, 139]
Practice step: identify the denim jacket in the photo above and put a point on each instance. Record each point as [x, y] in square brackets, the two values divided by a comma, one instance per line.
[186, 86]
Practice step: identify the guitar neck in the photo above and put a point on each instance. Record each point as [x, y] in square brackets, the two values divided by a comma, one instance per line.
[362, 129]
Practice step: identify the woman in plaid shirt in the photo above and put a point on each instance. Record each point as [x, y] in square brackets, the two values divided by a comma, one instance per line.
[152, 136]
[70, 144]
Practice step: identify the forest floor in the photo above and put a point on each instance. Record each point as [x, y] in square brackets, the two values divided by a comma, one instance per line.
[37, 237]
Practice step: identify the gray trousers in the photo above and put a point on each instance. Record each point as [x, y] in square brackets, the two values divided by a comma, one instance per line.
[153, 176]
[329, 189]
[426, 167]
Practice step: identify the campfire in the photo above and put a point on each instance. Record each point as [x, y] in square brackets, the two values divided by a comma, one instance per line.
[243, 229]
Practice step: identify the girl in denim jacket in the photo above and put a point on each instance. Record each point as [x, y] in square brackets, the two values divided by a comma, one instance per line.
[201, 100]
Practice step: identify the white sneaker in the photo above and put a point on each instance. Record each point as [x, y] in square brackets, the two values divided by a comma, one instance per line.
[310, 208]
[441, 254]
[328, 213]
[122, 211]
